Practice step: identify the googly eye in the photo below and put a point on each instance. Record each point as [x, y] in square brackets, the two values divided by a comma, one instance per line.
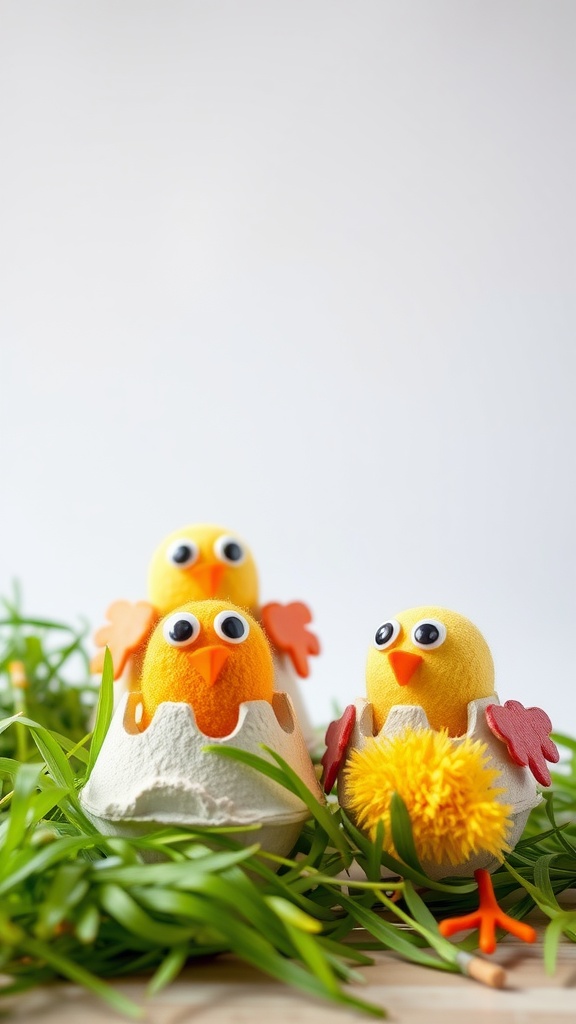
[182, 553]
[386, 634]
[428, 634]
[229, 550]
[231, 627]
[181, 629]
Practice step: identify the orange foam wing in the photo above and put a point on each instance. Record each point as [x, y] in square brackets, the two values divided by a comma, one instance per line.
[128, 627]
[285, 626]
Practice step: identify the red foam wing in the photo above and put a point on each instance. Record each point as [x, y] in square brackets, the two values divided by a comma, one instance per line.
[526, 733]
[337, 737]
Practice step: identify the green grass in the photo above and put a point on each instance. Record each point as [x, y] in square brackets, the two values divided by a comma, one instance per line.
[50, 660]
[79, 905]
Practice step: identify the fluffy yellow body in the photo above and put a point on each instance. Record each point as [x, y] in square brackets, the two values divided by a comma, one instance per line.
[449, 790]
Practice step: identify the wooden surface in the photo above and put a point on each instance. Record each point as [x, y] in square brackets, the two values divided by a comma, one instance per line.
[225, 991]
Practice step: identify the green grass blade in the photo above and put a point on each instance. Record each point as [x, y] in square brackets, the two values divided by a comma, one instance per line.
[104, 711]
[168, 970]
[374, 860]
[563, 923]
[88, 924]
[69, 885]
[67, 968]
[181, 875]
[24, 786]
[542, 879]
[402, 834]
[418, 908]
[15, 620]
[25, 865]
[288, 779]
[389, 935]
[292, 915]
[124, 909]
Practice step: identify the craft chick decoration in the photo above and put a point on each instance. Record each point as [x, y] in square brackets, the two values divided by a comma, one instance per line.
[432, 729]
[199, 562]
[207, 678]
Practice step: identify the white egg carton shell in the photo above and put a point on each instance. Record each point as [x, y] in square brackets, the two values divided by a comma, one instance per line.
[520, 788]
[159, 776]
[285, 681]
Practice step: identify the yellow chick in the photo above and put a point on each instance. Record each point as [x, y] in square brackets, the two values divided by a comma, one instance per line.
[202, 561]
[199, 562]
[433, 732]
[211, 655]
[432, 657]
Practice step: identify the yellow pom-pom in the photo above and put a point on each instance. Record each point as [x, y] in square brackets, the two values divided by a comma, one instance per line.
[447, 787]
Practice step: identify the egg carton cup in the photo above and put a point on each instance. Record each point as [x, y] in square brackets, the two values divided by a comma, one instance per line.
[518, 784]
[285, 681]
[145, 780]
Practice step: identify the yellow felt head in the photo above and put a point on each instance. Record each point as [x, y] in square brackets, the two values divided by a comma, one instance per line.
[208, 670]
[441, 676]
[202, 561]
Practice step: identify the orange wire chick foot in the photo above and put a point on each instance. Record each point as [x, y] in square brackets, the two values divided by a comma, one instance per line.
[487, 918]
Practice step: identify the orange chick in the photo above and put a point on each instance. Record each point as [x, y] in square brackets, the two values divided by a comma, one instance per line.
[211, 655]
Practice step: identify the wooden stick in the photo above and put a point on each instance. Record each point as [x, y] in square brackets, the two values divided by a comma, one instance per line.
[481, 970]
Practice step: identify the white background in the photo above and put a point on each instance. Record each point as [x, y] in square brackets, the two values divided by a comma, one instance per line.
[305, 268]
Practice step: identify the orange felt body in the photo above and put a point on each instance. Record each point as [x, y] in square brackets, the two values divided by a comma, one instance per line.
[212, 675]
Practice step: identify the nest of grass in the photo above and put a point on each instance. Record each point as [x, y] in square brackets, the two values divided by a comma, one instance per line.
[79, 905]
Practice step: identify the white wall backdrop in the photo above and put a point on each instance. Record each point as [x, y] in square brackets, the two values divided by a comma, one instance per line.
[306, 268]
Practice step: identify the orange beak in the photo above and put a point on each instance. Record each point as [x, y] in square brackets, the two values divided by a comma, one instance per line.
[404, 665]
[208, 577]
[209, 662]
